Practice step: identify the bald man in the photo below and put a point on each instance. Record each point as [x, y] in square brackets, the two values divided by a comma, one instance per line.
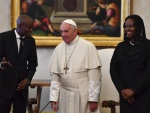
[76, 75]
[18, 62]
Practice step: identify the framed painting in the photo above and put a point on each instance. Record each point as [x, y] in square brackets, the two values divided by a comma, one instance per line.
[98, 22]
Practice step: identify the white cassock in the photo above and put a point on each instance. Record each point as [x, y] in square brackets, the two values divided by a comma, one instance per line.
[81, 82]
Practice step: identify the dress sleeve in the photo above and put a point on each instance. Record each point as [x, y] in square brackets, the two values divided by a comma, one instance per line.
[1, 47]
[114, 70]
[144, 81]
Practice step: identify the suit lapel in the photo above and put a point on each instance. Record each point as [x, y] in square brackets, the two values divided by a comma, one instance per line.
[14, 43]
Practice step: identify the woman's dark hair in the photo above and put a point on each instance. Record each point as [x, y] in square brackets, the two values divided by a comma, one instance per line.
[139, 25]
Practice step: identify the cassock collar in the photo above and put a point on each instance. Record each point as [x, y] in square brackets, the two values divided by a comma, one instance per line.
[73, 42]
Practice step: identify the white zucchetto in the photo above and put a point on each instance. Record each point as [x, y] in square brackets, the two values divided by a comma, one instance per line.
[70, 21]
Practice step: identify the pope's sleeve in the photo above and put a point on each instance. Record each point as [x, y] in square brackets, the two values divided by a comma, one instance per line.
[55, 88]
[94, 84]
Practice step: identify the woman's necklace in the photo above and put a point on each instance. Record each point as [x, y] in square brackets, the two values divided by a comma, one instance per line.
[131, 43]
[66, 61]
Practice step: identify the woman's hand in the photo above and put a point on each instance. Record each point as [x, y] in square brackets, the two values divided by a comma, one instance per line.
[127, 93]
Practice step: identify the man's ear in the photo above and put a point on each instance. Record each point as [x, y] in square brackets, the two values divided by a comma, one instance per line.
[75, 31]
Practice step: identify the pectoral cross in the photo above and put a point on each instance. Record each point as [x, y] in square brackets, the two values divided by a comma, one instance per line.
[66, 68]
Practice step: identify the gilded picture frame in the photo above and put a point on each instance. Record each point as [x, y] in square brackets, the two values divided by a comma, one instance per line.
[98, 41]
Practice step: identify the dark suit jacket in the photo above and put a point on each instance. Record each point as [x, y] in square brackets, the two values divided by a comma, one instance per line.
[22, 67]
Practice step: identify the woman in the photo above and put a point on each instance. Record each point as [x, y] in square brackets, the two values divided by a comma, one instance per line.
[130, 67]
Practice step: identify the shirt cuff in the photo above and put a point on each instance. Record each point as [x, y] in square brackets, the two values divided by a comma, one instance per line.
[28, 81]
[94, 90]
[1, 66]
[54, 91]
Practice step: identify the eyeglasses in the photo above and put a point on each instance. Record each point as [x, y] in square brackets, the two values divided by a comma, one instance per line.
[128, 26]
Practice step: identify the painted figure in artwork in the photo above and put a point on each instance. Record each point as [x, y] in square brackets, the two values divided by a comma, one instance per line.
[106, 20]
[41, 21]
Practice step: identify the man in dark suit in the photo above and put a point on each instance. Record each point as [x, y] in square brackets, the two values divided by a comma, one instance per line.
[17, 67]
